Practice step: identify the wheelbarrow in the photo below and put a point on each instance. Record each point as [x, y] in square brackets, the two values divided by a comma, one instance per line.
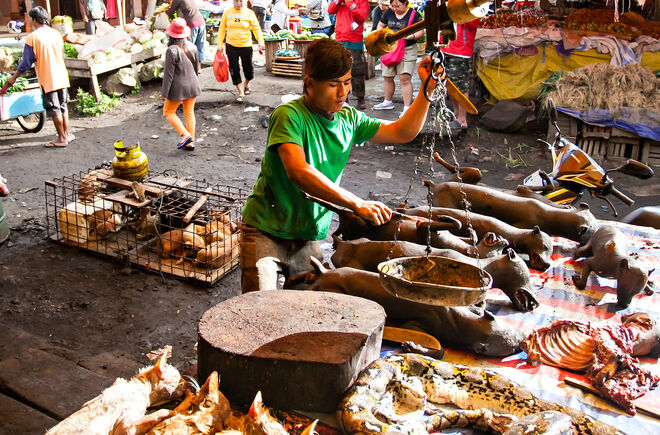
[25, 106]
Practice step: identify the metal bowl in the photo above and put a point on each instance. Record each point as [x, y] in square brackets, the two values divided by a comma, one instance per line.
[435, 280]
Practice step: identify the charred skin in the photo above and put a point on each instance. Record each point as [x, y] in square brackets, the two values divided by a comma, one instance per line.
[496, 400]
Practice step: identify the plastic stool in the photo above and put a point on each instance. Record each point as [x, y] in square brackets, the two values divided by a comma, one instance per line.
[296, 25]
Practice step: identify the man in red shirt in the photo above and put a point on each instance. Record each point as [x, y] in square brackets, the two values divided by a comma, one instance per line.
[349, 26]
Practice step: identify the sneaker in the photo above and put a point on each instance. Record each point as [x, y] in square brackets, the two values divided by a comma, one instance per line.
[405, 108]
[385, 105]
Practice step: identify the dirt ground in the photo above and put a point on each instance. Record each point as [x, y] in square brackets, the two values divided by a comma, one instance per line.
[106, 317]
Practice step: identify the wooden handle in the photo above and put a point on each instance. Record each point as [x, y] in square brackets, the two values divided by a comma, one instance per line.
[401, 335]
[392, 37]
[195, 208]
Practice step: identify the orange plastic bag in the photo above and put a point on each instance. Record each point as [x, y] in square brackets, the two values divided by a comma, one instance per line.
[221, 66]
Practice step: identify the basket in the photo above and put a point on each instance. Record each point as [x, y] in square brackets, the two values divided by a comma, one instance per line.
[97, 212]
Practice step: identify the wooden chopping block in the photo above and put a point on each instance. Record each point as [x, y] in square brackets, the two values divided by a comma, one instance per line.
[301, 349]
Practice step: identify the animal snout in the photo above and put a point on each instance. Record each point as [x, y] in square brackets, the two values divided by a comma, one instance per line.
[538, 262]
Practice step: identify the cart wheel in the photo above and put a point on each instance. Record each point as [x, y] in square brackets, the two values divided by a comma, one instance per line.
[33, 122]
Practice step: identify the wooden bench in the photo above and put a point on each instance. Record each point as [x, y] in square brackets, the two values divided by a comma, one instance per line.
[86, 68]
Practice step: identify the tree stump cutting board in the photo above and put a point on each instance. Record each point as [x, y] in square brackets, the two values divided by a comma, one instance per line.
[301, 349]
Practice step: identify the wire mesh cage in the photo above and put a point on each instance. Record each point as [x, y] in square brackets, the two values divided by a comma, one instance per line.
[172, 225]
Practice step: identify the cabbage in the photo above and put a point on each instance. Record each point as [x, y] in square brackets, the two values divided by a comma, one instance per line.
[131, 27]
[149, 44]
[136, 48]
[145, 36]
[159, 35]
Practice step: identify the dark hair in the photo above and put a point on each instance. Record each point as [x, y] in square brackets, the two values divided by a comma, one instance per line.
[327, 59]
[404, 2]
[40, 15]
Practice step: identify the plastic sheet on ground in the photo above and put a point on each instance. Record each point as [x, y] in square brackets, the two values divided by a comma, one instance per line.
[642, 122]
[560, 299]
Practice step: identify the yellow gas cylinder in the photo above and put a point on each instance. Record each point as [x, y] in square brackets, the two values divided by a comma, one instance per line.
[129, 163]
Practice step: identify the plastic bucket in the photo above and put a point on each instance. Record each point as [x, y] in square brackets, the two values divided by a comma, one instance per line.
[4, 229]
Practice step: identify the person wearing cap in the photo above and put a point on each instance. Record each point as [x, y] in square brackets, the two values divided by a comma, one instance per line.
[180, 82]
[44, 48]
[307, 147]
[187, 9]
[378, 12]
[236, 25]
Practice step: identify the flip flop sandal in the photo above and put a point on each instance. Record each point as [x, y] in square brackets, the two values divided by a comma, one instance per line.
[247, 91]
[189, 147]
[55, 145]
[239, 99]
[184, 142]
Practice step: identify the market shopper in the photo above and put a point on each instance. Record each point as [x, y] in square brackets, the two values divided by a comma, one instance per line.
[307, 147]
[319, 19]
[187, 9]
[238, 24]
[398, 16]
[378, 12]
[180, 82]
[44, 48]
[349, 25]
[92, 11]
[260, 7]
[457, 66]
[280, 13]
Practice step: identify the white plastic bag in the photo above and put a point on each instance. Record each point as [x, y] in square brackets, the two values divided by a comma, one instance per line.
[161, 21]
[115, 39]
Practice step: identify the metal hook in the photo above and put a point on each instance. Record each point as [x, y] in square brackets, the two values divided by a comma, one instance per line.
[438, 74]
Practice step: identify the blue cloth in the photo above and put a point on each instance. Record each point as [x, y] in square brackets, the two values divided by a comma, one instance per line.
[353, 45]
[198, 35]
[638, 121]
[28, 59]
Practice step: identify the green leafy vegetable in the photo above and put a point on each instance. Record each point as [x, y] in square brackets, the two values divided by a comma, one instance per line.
[87, 104]
[70, 50]
[20, 84]
[62, 19]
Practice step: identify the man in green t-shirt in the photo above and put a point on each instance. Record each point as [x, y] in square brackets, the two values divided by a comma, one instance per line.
[308, 144]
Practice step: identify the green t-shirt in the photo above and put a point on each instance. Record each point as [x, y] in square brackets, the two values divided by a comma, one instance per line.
[275, 205]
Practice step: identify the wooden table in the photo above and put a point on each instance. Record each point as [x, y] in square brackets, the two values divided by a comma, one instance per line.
[86, 68]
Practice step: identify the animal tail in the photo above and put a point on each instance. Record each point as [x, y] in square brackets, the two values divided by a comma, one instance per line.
[451, 168]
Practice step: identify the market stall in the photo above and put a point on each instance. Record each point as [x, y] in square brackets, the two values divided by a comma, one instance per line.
[515, 52]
